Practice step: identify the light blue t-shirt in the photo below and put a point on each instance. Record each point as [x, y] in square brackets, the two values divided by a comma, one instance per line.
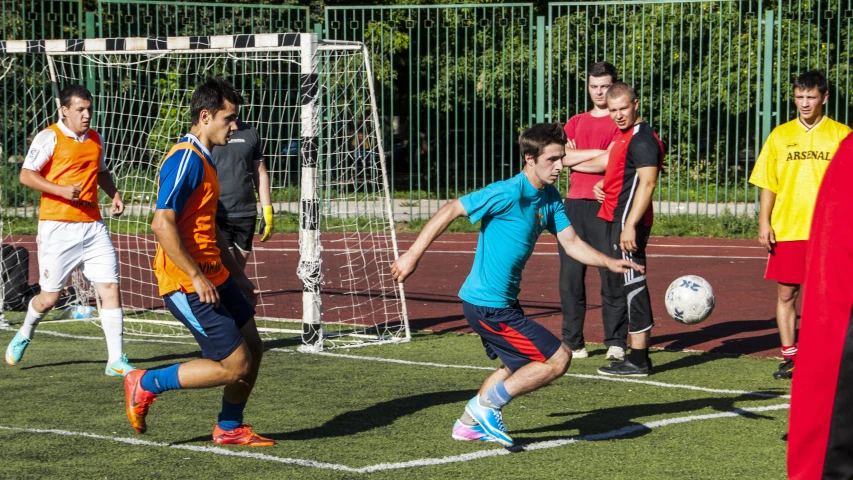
[514, 214]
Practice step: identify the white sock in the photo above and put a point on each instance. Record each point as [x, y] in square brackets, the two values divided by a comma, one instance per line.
[31, 321]
[112, 321]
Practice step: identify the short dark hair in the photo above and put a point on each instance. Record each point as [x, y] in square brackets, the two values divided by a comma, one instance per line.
[71, 91]
[809, 80]
[601, 69]
[534, 140]
[619, 89]
[211, 96]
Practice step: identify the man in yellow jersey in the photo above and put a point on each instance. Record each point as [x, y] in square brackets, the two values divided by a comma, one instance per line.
[789, 170]
[66, 164]
[201, 282]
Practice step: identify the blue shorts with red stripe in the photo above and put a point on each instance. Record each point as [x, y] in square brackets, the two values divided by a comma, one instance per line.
[216, 329]
[509, 335]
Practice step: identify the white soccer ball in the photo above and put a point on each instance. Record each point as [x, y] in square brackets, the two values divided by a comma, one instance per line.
[689, 299]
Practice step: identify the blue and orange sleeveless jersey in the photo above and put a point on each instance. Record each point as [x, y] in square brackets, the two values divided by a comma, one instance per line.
[188, 185]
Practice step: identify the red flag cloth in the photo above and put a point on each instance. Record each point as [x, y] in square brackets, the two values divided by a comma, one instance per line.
[820, 432]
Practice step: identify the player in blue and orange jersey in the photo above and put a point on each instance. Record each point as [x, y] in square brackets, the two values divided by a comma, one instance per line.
[789, 171]
[201, 282]
[66, 164]
[626, 195]
[514, 213]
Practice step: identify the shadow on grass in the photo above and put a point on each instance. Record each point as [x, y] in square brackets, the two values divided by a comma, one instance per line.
[374, 416]
[623, 418]
[686, 361]
[166, 359]
[729, 334]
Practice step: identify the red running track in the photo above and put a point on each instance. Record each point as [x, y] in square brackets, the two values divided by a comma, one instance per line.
[742, 323]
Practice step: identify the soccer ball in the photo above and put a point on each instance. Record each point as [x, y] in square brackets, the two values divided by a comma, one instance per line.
[689, 299]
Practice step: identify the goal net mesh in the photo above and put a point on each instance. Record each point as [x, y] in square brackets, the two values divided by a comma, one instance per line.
[142, 107]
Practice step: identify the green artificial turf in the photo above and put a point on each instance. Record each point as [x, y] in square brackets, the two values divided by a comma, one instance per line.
[335, 416]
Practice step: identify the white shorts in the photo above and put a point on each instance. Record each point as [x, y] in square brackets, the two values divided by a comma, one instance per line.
[63, 246]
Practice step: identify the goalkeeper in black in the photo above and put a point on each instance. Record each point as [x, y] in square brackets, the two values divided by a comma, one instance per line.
[241, 172]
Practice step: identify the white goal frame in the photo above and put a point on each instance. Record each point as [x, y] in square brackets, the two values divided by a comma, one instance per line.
[308, 47]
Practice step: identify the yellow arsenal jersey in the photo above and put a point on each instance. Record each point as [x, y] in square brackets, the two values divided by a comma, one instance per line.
[791, 164]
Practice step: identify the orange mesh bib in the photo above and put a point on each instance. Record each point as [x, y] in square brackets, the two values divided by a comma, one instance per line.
[73, 162]
[197, 228]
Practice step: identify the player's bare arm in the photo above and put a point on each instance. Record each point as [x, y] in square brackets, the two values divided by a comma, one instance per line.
[261, 178]
[105, 181]
[408, 262]
[596, 164]
[642, 200]
[262, 183]
[35, 180]
[766, 235]
[165, 228]
[575, 157]
[584, 253]
[233, 267]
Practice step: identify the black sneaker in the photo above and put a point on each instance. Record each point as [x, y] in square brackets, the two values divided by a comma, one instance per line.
[786, 370]
[626, 369]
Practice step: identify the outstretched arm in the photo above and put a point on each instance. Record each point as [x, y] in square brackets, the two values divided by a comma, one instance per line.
[408, 262]
[584, 253]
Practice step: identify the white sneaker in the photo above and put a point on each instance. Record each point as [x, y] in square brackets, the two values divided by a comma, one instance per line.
[581, 353]
[615, 353]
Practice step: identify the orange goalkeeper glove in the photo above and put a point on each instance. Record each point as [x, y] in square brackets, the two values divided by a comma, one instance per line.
[266, 228]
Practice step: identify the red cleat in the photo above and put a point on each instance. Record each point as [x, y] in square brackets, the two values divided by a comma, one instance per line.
[137, 400]
[242, 435]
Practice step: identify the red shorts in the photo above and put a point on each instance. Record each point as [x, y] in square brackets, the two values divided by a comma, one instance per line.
[787, 262]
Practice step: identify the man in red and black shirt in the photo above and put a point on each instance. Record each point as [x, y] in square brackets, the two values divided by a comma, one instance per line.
[626, 195]
[590, 136]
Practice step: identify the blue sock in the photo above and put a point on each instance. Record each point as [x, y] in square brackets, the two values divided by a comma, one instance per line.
[231, 415]
[160, 380]
[498, 396]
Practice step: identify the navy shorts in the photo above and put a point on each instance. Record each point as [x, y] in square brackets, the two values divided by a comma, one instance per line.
[216, 329]
[509, 335]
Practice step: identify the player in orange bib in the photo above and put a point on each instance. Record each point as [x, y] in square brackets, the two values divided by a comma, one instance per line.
[789, 171]
[66, 164]
[200, 281]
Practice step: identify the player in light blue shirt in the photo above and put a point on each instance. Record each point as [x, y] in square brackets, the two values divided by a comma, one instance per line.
[514, 213]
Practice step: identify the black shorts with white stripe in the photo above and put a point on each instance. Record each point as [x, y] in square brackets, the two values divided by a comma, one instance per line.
[632, 284]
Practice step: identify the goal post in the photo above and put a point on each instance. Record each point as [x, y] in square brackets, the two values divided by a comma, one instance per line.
[314, 107]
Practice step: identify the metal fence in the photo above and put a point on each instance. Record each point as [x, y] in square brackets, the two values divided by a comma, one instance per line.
[457, 83]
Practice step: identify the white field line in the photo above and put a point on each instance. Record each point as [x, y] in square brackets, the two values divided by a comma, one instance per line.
[193, 448]
[441, 365]
[576, 375]
[423, 462]
[547, 254]
[545, 241]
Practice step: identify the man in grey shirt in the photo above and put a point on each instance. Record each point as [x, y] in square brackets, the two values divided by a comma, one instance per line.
[241, 172]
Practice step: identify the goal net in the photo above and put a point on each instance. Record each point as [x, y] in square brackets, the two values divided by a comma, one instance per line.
[313, 104]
